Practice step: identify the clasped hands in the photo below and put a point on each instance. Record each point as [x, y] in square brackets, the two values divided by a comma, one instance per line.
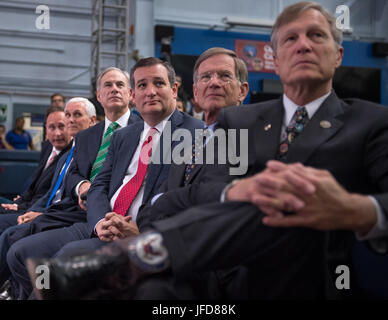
[115, 226]
[293, 195]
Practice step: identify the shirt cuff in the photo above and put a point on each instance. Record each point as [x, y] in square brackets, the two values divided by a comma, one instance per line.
[380, 229]
[156, 198]
[78, 185]
[95, 232]
[226, 189]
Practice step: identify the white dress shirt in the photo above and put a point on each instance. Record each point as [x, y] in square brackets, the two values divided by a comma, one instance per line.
[132, 169]
[123, 122]
[53, 151]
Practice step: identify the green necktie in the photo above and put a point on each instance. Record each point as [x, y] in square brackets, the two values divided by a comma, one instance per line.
[101, 155]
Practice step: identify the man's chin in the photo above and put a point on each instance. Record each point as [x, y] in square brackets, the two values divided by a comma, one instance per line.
[59, 146]
[216, 105]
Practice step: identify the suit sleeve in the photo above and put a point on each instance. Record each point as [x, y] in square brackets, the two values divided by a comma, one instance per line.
[98, 203]
[40, 204]
[206, 188]
[376, 159]
[74, 175]
[29, 193]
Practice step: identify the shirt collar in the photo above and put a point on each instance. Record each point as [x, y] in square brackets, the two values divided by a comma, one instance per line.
[311, 107]
[56, 151]
[122, 121]
[211, 127]
[160, 126]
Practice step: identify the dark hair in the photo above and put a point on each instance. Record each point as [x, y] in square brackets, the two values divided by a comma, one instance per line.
[51, 110]
[57, 94]
[149, 62]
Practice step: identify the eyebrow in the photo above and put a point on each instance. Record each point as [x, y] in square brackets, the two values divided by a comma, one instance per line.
[114, 81]
[153, 79]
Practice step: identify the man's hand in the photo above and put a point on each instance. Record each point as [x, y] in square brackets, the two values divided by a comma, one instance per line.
[10, 206]
[331, 207]
[28, 216]
[120, 226]
[272, 191]
[83, 189]
[17, 197]
[115, 226]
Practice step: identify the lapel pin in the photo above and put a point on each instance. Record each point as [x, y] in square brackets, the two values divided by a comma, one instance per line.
[325, 124]
[267, 127]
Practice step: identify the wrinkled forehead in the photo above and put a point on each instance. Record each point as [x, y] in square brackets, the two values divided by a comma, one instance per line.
[72, 106]
[150, 73]
[113, 76]
[218, 62]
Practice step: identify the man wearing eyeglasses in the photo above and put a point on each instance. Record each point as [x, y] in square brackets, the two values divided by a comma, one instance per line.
[220, 80]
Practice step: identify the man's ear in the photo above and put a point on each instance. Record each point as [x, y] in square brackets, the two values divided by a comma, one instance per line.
[132, 95]
[98, 96]
[276, 65]
[195, 92]
[93, 120]
[244, 89]
[340, 55]
[174, 88]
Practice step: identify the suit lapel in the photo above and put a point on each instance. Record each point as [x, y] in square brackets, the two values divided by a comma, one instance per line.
[267, 132]
[125, 153]
[316, 131]
[46, 151]
[94, 141]
[175, 177]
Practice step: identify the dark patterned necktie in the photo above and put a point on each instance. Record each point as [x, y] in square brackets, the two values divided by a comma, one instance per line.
[293, 130]
[198, 146]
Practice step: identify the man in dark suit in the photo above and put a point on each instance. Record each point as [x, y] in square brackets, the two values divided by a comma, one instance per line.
[212, 94]
[154, 89]
[52, 150]
[79, 114]
[114, 94]
[345, 191]
[307, 51]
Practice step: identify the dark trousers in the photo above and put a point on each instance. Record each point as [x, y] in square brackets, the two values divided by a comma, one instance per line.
[42, 245]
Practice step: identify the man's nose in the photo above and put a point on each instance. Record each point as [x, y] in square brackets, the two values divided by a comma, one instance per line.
[215, 80]
[151, 90]
[303, 44]
[114, 88]
[57, 131]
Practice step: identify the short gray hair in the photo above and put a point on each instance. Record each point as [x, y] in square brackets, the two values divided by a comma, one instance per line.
[293, 11]
[89, 107]
[240, 68]
[105, 71]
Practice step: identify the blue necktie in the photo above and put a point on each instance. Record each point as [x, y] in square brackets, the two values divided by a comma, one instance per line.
[59, 180]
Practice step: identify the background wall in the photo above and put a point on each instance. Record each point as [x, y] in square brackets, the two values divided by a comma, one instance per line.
[35, 63]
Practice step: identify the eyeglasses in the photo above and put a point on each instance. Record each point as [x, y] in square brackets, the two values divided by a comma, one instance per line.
[225, 77]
